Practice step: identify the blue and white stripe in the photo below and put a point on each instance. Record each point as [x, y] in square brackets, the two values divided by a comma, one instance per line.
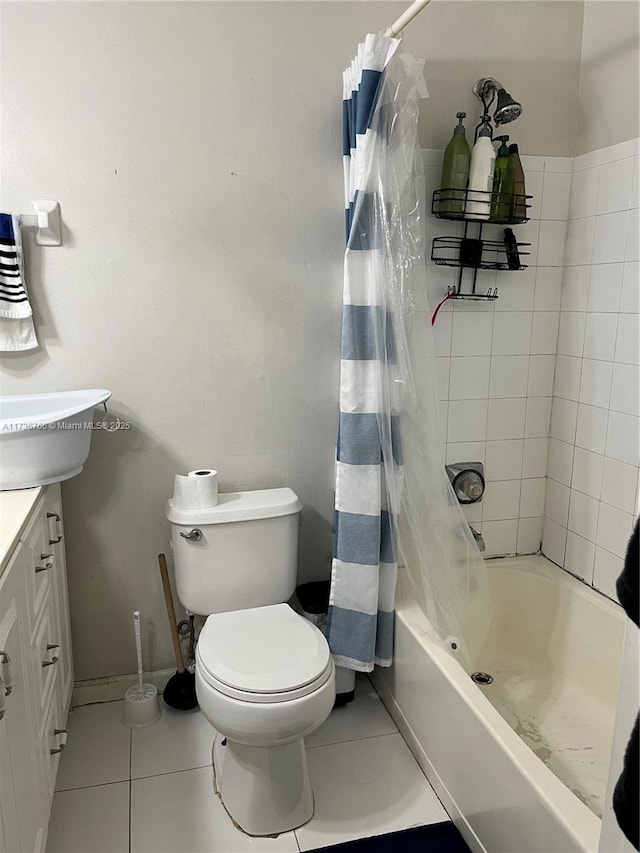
[369, 459]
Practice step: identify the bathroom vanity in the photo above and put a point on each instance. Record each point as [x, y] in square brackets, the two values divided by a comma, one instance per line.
[36, 667]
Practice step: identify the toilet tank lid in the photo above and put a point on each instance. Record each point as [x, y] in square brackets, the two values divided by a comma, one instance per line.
[239, 506]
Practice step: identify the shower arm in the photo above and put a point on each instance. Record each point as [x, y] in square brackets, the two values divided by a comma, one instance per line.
[408, 15]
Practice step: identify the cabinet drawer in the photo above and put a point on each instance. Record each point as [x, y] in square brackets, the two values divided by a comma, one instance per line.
[46, 653]
[52, 741]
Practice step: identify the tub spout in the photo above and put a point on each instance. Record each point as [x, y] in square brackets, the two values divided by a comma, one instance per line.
[479, 539]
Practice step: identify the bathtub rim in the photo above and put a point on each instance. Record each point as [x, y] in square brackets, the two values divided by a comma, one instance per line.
[577, 820]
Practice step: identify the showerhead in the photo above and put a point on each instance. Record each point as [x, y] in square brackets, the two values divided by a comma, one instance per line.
[507, 109]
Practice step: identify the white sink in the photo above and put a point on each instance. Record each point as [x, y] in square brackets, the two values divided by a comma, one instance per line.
[45, 438]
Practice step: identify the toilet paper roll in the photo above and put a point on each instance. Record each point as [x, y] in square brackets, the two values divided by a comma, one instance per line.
[198, 490]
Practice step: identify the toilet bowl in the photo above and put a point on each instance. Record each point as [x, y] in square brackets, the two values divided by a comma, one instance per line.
[265, 680]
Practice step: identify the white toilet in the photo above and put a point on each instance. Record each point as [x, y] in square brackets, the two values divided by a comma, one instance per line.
[264, 675]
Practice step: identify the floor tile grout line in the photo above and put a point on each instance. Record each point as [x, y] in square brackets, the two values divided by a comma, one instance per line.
[353, 739]
[95, 785]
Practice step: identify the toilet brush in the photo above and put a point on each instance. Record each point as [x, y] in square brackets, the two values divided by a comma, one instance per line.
[141, 706]
[180, 690]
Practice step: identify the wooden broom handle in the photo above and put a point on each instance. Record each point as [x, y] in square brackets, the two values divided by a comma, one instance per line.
[171, 613]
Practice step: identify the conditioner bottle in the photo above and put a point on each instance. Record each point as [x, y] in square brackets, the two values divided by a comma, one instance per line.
[483, 160]
[455, 172]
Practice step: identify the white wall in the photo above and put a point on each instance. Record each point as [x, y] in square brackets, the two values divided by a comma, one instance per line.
[195, 151]
[609, 98]
[592, 494]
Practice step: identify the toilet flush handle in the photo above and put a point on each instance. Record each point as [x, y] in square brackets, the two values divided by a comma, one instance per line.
[194, 535]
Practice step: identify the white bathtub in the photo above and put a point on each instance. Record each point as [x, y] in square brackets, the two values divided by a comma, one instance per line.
[554, 651]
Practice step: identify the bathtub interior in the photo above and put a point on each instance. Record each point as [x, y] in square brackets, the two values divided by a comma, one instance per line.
[554, 652]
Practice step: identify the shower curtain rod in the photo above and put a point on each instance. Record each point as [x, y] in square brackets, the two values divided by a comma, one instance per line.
[414, 9]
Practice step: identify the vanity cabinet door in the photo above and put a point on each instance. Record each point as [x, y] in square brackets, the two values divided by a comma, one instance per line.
[23, 806]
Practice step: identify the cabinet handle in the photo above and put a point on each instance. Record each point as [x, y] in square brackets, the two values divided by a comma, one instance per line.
[47, 565]
[2, 699]
[57, 521]
[5, 673]
[63, 743]
[55, 658]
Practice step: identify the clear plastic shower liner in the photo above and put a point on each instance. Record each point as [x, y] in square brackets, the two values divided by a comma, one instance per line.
[434, 542]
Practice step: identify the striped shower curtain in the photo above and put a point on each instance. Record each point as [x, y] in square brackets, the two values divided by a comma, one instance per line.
[380, 139]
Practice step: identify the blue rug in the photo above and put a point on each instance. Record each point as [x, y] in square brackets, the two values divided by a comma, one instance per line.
[434, 838]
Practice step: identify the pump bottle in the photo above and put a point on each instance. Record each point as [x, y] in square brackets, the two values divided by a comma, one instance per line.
[455, 172]
[483, 158]
[502, 184]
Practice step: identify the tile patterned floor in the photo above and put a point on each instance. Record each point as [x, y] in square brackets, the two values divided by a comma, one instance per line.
[150, 791]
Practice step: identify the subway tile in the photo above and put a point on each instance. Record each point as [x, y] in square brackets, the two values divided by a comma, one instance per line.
[534, 460]
[630, 297]
[579, 556]
[442, 331]
[500, 536]
[614, 188]
[575, 288]
[471, 333]
[469, 378]
[501, 500]
[625, 389]
[531, 163]
[552, 240]
[511, 333]
[604, 287]
[580, 236]
[465, 451]
[584, 193]
[571, 333]
[587, 472]
[557, 502]
[619, 485]
[538, 417]
[610, 238]
[548, 289]
[606, 572]
[506, 418]
[473, 512]
[517, 290]
[555, 196]
[614, 529]
[600, 336]
[509, 376]
[567, 377]
[591, 430]
[583, 515]
[623, 433]
[532, 497]
[558, 164]
[618, 151]
[544, 332]
[595, 382]
[541, 368]
[528, 233]
[632, 250]
[467, 420]
[560, 461]
[554, 539]
[564, 414]
[534, 184]
[529, 535]
[503, 459]
[628, 339]
[442, 377]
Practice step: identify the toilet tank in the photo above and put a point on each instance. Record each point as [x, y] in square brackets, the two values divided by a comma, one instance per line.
[245, 556]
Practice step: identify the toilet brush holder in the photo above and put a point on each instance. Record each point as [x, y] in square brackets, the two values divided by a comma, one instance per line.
[141, 703]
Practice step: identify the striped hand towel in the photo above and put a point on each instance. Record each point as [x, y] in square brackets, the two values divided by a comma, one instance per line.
[17, 331]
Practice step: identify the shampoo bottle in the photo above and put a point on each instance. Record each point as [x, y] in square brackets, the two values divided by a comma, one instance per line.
[502, 184]
[455, 172]
[483, 159]
[519, 210]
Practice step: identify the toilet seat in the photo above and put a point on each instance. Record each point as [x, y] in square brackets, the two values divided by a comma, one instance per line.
[263, 655]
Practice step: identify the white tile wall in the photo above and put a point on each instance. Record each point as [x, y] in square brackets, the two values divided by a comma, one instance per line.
[594, 449]
[497, 360]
